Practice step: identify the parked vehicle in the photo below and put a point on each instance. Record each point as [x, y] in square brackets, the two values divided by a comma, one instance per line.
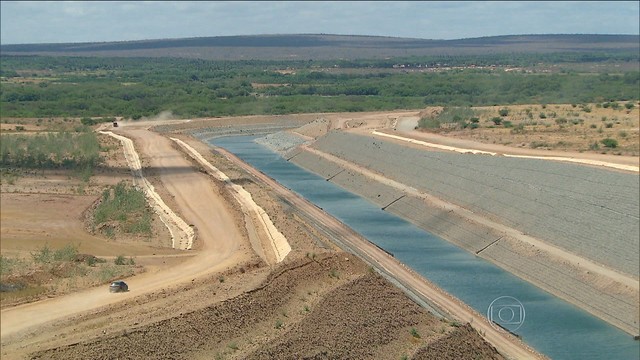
[118, 286]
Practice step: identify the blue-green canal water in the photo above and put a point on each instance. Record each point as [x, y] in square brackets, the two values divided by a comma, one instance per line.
[549, 324]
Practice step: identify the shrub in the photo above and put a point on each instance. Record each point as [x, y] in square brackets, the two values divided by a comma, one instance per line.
[334, 274]
[537, 144]
[476, 120]
[91, 261]
[120, 260]
[561, 121]
[43, 256]
[543, 115]
[415, 333]
[519, 129]
[429, 123]
[610, 143]
[8, 265]
[593, 126]
[67, 253]
[507, 124]
[503, 112]
[629, 106]
[608, 125]
[496, 120]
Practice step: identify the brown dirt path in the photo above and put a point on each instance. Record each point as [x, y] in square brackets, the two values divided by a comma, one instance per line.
[222, 243]
[622, 163]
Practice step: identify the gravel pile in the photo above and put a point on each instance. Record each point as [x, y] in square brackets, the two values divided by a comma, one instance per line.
[591, 212]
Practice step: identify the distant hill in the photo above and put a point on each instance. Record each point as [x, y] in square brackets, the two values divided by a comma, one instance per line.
[323, 47]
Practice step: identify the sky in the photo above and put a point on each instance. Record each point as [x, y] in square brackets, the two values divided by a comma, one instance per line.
[23, 22]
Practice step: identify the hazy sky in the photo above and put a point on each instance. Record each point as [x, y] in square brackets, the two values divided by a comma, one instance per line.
[75, 21]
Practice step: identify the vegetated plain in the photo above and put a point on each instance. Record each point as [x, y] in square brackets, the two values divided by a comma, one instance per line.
[133, 87]
[50, 102]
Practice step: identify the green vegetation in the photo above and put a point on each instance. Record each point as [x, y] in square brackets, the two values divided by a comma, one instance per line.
[46, 256]
[451, 116]
[127, 206]
[53, 271]
[333, 273]
[90, 121]
[610, 143]
[136, 87]
[121, 260]
[62, 150]
[414, 333]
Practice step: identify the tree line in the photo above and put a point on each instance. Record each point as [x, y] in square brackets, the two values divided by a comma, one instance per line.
[135, 87]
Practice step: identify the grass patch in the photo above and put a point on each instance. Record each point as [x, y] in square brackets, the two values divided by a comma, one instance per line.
[55, 271]
[126, 206]
[61, 150]
[450, 115]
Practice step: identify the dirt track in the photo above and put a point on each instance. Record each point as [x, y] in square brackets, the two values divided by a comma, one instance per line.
[222, 242]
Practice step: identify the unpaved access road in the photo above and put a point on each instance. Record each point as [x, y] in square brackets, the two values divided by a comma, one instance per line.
[221, 242]
[506, 344]
[624, 163]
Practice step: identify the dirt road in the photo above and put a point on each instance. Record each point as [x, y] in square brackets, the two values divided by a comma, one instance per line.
[506, 344]
[222, 243]
[624, 163]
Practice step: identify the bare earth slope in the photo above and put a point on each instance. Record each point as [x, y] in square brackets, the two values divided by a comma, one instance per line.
[300, 311]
